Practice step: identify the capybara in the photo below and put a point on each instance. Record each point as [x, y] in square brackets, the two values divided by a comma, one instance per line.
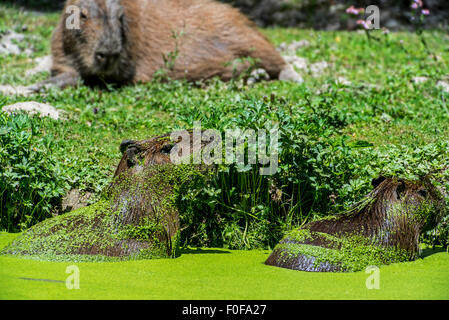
[136, 218]
[128, 41]
[383, 228]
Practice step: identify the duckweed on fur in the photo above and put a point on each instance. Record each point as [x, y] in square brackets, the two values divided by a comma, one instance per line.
[350, 253]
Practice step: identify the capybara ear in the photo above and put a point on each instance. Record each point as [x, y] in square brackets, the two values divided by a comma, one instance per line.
[125, 144]
[377, 181]
[423, 193]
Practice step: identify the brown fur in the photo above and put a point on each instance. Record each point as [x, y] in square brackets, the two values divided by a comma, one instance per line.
[137, 34]
[375, 219]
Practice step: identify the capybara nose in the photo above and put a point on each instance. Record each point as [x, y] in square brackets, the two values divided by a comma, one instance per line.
[106, 57]
[100, 56]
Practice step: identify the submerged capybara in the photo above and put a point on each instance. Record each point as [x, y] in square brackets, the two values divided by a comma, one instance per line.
[383, 228]
[136, 218]
[128, 41]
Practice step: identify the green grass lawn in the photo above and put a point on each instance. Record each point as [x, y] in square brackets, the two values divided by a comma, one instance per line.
[217, 274]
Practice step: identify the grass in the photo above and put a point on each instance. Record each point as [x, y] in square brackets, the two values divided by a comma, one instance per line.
[382, 105]
[417, 111]
[218, 274]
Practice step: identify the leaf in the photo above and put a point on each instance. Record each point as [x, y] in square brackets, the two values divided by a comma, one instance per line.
[360, 144]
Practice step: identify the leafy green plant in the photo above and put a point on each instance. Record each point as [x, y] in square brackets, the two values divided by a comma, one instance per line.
[320, 172]
[31, 182]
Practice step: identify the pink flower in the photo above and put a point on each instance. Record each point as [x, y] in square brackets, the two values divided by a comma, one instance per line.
[425, 12]
[416, 4]
[365, 24]
[351, 10]
[354, 11]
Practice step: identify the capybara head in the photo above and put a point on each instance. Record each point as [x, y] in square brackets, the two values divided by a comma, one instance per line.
[98, 40]
[417, 201]
[138, 155]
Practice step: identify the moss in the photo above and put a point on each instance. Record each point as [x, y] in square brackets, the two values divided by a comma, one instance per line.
[350, 253]
[299, 235]
[62, 235]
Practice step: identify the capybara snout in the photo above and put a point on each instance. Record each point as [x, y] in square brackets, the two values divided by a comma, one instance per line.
[98, 37]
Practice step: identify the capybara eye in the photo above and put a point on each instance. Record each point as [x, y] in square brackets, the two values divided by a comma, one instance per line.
[83, 14]
[377, 181]
[400, 190]
[167, 148]
[131, 153]
[100, 56]
[422, 193]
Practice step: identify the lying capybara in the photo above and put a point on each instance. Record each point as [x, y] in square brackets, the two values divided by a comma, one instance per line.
[128, 41]
[381, 229]
[137, 217]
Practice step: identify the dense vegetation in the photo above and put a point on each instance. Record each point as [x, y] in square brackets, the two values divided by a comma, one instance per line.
[335, 135]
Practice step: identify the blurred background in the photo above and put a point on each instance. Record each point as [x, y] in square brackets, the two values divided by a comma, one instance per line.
[316, 14]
